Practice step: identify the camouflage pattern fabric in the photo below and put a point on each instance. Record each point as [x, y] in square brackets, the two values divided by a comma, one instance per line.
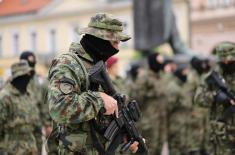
[225, 50]
[188, 117]
[221, 134]
[119, 84]
[148, 93]
[18, 115]
[106, 27]
[199, 120]
[19, 69]
[71, 104]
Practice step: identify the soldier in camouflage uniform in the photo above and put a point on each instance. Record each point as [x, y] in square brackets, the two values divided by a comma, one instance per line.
[221, 133]
[113, 70]
[199, 120]
[147, 90]
[185, 135]
[73, 104]
[38, 87]
[18, 113]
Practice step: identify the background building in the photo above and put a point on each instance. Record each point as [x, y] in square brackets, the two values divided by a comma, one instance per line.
[212, 21]
[47, 27]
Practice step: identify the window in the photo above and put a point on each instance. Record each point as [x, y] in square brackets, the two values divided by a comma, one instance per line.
[52, 41]
[33, 41]
[0, 45]
[16, 43]
[212, 3]
[227, 2]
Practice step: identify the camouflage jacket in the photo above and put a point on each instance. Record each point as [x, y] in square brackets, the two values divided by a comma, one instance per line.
[18, 115]
[147, 90]
[221, 134]
[71, 103]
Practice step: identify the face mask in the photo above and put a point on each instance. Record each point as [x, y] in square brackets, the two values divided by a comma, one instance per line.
[201, 66]
[21, 83]
[30, 57]
[154, 65]
[180, 75]
[228, 68]
[31, 64]
[97, 48]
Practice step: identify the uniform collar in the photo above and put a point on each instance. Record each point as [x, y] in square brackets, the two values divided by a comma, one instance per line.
[80, 51]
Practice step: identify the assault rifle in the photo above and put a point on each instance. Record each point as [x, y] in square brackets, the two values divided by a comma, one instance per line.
[128, 114]
[224, 94]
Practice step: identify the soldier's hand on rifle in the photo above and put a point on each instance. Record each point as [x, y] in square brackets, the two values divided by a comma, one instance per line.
[134, 147]
[110, 104]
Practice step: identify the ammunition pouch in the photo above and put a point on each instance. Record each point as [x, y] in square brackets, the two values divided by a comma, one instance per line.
[74, 142]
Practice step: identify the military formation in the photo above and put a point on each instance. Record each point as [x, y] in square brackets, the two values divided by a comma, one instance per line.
[187, 107]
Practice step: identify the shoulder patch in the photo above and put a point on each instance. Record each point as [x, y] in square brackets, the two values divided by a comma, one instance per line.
[66, 87]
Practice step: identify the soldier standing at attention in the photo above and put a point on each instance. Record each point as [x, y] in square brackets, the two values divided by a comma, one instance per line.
[221, 132]
[18, 114]
[147, 90]
[73, 105]
[38, 87]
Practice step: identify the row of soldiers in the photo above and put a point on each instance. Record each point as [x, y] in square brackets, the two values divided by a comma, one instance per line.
[24, 117]
[181, 110]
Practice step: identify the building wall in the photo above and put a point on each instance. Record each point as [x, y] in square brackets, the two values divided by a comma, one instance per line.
[212, 23]
[63, 26]
[63, 16]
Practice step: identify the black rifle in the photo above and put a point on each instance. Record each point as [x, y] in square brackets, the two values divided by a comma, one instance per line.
[224, 92]
[128, 114]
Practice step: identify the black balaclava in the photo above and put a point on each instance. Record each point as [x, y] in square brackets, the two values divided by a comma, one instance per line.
[228, 68]
[26, 56]
[97, 48]
[134, 70]
[21, 82]
[201, 66]
[179, 74]
[154, 65]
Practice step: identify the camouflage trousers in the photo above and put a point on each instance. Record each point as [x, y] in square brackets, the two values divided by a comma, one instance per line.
[222, 140]
[24, 144]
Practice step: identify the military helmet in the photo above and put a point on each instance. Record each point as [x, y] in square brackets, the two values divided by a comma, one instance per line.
[20, 68]
[225, 50]
[106, 27]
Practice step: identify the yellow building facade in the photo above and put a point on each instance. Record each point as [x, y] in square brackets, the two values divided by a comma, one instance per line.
[50, 31]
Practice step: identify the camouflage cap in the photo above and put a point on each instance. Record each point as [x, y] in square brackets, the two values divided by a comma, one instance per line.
[225, 50]
[20, 68]
[106, 27]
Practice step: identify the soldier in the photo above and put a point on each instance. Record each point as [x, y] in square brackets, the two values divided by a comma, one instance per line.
[38, 87]
[221, 133]
[18, 113]
[113, 70]
[147, 90]
[74, 105]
